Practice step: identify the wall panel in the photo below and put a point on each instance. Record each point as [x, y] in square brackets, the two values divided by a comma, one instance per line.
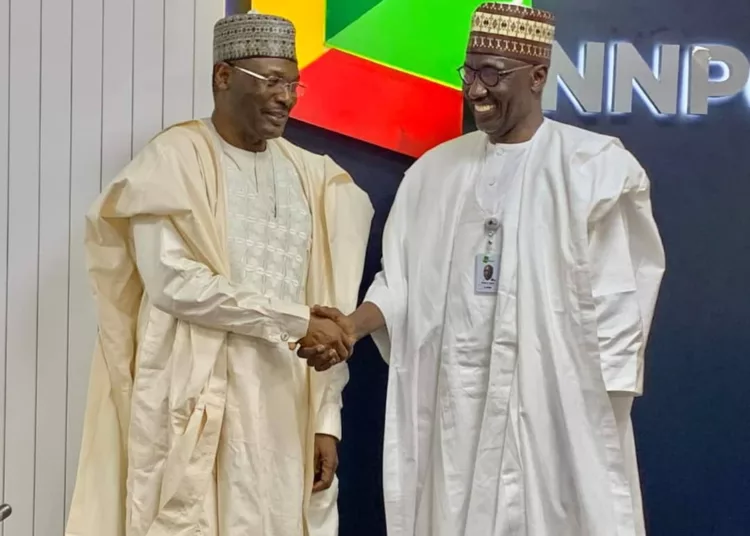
[4, 129]
[179, 38]
[117, 86]
[54, 239]
[148, 70]
[86, 168]
[23, 262]
[83, 83]
[206, 14]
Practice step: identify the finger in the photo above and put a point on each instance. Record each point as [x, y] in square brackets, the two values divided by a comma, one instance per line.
[318, 484]
[324, 362]
[333, 358]
[326, 476]
[328, 471]
[332, 355]
[350, 342]
[327, 365]
[317, 468]
[325, 311]
[340, 347]
[320, 362]
[314, 362]
[330, 313]
[312, 352]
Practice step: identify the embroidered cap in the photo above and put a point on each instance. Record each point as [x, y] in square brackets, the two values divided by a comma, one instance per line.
[254, 35]
[512, 31]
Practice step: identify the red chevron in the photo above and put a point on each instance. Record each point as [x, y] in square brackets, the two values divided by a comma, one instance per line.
[379, 105]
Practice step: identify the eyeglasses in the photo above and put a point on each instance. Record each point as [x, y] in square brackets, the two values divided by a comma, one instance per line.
[274, 82]
[489, 76]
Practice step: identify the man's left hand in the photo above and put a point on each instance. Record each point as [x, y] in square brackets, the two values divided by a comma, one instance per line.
[326, 461]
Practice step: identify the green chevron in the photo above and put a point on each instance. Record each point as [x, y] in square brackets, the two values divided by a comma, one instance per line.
[424, 37]
[342, 13]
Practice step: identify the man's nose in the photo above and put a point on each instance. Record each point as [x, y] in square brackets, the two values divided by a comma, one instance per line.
[285, 96]
[477, 90]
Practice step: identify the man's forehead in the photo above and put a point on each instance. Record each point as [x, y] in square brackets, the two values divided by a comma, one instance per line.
[490, 60]
[269, 65]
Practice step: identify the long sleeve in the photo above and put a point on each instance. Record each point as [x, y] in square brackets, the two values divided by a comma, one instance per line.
[627, 262]
[329, 415]
[190, 291]
[347, 212]
[389, 289]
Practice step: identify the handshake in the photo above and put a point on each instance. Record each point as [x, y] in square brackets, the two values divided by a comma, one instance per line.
[330, 338]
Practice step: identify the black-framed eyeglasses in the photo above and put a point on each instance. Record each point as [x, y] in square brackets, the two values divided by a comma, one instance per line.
[488, 76]
[274, 82]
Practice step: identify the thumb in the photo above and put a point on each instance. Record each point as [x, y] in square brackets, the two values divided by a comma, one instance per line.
[331, 313]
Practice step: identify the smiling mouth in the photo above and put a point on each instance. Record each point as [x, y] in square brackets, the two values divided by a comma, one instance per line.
[277, 116]
[484, 108]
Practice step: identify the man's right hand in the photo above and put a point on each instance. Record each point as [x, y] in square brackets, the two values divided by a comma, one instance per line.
[331, 342]
[367, 319]
[320, 355]
[331, 313]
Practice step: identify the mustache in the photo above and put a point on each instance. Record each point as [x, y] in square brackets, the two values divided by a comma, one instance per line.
[278, 110]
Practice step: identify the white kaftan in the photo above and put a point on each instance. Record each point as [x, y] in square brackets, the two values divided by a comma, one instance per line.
[261, 457]
[508, 414]
[465, 367]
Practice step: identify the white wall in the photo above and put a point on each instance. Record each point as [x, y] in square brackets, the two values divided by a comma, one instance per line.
[83, 85]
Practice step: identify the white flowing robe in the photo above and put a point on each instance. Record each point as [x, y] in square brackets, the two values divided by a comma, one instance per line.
[581, 266]
[167, 368]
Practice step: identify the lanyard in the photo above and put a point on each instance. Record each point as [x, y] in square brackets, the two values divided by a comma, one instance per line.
[491, 226]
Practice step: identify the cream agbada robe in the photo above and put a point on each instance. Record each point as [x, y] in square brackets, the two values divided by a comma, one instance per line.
[548, 404]
[180, 175]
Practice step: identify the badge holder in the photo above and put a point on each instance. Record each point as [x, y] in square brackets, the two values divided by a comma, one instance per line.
[487, 264]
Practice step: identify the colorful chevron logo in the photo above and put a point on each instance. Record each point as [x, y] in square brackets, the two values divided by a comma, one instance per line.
[381, 71]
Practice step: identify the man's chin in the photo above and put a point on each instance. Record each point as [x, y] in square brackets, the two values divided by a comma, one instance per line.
[491, 127]
[274, 131]
[488, 127]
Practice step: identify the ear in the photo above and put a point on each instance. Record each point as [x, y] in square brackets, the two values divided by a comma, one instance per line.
[538, 78]
[222, 76]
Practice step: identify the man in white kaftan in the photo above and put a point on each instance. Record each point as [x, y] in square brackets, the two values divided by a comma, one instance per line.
[204, 254]
[509, 396]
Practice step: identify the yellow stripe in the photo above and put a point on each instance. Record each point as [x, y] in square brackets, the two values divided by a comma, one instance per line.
[309, 18]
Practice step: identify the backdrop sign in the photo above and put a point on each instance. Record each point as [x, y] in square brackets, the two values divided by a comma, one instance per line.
[691, 426]
[378, 73]
[679, 80]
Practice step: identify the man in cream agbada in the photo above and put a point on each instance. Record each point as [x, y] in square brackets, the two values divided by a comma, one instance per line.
[204, 253]
[509, 396]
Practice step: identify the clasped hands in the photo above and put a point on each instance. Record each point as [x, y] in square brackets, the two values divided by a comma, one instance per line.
[330, 338]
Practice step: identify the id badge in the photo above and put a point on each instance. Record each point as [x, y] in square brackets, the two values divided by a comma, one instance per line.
[486, 273]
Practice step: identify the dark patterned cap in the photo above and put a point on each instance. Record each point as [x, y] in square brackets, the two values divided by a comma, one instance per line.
[512, 31]
[254, 35]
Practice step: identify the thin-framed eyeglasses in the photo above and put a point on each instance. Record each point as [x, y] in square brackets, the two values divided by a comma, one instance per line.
[274, 82]
[489, 76]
